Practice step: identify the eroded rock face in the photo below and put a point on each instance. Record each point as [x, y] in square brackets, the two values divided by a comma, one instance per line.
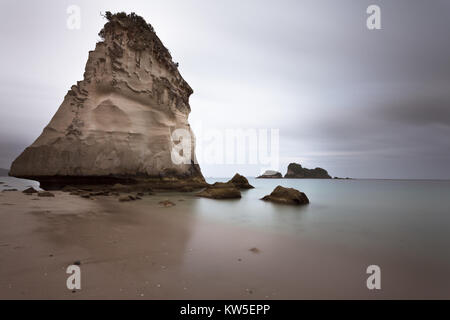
[116, 124]
[284, 195]
[295, 170]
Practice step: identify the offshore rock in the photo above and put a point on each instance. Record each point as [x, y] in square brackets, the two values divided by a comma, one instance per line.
[240, 182]
[295, 170]
[270, 174]
[287, 196]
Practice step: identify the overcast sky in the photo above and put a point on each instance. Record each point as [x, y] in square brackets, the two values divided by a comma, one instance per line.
[359, 103]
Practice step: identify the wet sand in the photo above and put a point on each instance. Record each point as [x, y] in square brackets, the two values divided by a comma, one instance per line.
[142, 250]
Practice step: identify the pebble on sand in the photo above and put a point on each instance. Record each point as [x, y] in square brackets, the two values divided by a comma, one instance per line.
[255, 250]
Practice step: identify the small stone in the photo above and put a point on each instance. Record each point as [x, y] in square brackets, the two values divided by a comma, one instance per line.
[45, 194]
[167, 203]
[124, 199]
[255, 250]
[30, 190]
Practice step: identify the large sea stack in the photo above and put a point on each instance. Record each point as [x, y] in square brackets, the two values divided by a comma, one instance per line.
[116, 124]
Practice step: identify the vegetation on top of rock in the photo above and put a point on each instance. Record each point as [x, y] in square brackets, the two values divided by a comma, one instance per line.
[141, 36]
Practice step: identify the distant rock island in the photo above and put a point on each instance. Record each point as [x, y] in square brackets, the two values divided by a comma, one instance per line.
[296, 171]
[115, 125]
[3, 172]
[270, 174]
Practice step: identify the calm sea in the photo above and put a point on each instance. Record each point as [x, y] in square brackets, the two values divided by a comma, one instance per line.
[401, 225]
[408, 215]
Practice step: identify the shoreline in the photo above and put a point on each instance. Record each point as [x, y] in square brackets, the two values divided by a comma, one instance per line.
[142, 250]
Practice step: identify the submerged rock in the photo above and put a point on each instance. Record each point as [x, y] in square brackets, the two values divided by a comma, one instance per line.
[220, 190]
[287, 196]
[240, 182]
[270, 174]
[295, 170]
[117, 124]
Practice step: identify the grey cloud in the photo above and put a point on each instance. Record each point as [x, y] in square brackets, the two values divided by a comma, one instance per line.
[357, 102]
[420, 111]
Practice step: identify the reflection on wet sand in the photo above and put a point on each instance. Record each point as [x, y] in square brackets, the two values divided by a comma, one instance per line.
[203, 248]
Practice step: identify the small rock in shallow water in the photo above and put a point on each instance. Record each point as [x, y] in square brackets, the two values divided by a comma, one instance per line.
[287, 196]
[240, 182]
[220, 190]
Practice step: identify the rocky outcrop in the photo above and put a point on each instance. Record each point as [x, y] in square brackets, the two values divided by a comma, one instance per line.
[270, 174]
[220, 190]
[287, 196]
[240, 182]
[116, 124]
[295, 170]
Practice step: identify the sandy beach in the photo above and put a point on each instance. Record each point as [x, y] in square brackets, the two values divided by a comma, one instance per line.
[142, 250]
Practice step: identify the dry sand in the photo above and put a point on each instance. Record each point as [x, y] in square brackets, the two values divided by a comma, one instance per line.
[142, 250]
